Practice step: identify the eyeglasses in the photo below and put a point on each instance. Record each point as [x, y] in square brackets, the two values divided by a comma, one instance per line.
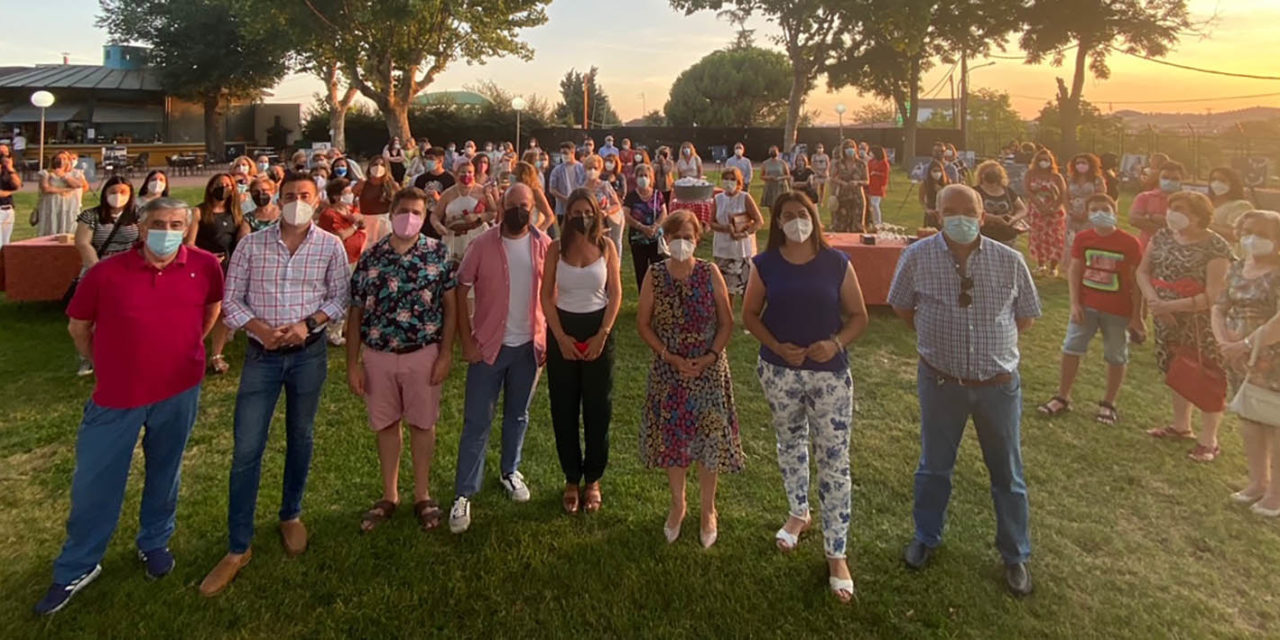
[966, 298]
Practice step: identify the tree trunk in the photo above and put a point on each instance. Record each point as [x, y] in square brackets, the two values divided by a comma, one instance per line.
[338, 127]
[397, 117]
[215, 127]
[1069, 103]
[910, 119]
[798, 76]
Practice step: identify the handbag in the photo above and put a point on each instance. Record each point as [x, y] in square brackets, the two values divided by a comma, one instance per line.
[71, 288]
[1255, 403]
[1202, 383]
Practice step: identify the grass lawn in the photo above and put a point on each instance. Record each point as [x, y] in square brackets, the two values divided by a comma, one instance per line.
[1130, 538]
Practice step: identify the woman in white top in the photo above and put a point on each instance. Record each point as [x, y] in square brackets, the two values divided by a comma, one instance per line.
[735, 218]
[607, 199]
[689, 165]
[581, 295]
[59, 203]
[464, 212]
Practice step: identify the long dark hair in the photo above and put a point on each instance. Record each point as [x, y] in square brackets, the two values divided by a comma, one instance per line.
[128, 215]
[1232, 178]
[233, 200]
[596, 236]
[777, 237]
[154, 173]
[930, 186]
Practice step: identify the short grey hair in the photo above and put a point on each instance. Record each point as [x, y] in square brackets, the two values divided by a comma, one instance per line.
[965, 189]
[163, 204]
[513, 190]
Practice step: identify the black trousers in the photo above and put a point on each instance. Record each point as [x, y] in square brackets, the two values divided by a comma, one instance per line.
[643, 255]
[580, 386]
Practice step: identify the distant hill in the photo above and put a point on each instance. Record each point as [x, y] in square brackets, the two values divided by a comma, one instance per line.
[1200, 120]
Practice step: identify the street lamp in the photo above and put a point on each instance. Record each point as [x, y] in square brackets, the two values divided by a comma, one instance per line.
[43, 100]
[840, 109]
[518, 104]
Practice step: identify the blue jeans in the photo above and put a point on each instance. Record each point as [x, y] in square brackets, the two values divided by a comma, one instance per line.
[514, 374]
[301, 374]
[104, 450]
[945, 409]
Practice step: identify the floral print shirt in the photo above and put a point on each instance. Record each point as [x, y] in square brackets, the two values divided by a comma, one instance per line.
[402, 295]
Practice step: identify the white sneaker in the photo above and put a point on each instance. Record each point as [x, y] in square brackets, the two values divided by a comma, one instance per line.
[517, 490]
[86, 369]
[460, 515]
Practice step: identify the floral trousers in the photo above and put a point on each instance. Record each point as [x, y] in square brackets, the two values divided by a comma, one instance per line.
[814, 408]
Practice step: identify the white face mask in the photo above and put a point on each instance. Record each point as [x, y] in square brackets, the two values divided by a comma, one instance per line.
[799, 229]
[1044, 164]
[642, 182]
[1082, 167]
[592, 174]
[730, 186]
[376, 172]
[297, 213]
[681, 249]
[116, 200]
[937, 175]
[1257, 246]
[737, 152]
[1219, 187]
[348, 198]
[608, 166]
[1177, 220]
[155, 187]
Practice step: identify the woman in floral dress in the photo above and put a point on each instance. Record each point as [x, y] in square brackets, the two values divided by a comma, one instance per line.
[1250, 301]
[684, 316]
[1183, 271]
[1046, 195]
[849, 180]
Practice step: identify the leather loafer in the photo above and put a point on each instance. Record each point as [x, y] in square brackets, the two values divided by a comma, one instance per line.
[1018, 577]
[224, 572]
[917, 555]
[293, 534]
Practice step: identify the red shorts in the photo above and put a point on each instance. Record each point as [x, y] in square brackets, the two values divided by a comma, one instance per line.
[398, 387]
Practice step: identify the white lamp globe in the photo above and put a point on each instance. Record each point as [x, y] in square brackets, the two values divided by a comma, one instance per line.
[518, 103]
[42, 99]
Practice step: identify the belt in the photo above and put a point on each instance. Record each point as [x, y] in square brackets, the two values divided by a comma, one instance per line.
[998, 379]
[405, 350]
[311, 339]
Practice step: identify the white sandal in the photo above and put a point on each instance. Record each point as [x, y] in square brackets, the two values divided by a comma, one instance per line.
[840, 586]
[786, 541]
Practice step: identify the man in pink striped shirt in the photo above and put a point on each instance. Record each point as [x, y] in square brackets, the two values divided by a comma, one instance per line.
[505, 347]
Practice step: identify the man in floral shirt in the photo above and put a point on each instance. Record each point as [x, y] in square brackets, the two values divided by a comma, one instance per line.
[401, 325]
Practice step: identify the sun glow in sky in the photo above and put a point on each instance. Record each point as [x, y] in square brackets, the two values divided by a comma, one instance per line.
[640, 46]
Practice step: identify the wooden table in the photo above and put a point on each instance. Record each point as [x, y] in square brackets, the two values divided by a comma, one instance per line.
[39, 269]
[874, 264]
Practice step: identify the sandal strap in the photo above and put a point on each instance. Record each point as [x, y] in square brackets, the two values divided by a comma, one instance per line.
[787, 538]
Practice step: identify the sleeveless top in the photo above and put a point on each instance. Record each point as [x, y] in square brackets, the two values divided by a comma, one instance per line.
[582, 289]
[218, 234]
[729, 207]
[802, 304]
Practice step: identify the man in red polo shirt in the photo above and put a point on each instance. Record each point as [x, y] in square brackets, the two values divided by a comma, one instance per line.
[141, 317]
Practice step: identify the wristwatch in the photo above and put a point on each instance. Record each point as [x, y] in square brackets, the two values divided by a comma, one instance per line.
[312, 324]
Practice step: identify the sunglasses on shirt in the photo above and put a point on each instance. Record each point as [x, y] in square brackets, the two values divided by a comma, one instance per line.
[966, 298]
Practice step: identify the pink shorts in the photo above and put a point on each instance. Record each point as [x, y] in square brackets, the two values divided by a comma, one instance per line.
[398, 387]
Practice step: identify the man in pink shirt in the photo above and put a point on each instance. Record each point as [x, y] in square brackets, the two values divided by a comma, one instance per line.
[140, 317]
[1149, 207]
[505, 347]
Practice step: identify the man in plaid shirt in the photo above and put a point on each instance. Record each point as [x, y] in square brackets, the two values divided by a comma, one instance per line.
[968, 297]
[284, 285]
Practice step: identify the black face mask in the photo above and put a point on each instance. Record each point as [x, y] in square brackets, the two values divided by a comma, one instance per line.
[219, 193]
[581, 224]
[262, 198]
[299, 167]
[515, 219]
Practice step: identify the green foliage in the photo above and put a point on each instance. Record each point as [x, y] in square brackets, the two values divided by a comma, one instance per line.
[569, 111]
[393, 49]
[872, 113]
[745, 87]
[1092, 123]
[654, 118]
[367, 133]
[992, 121]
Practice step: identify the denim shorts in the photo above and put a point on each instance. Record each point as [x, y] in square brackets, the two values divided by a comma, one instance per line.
[1115, 336]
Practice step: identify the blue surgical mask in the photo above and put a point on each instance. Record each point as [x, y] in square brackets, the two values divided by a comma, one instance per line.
[1103, 218]
[960, 229]
[341, 172]
[1169, 186]
[164, 242]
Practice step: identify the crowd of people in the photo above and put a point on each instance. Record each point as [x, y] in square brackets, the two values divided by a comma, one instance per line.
[516, 261]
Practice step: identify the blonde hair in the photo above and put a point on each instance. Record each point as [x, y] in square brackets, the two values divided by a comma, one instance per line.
[1270, 218]
[678, 219]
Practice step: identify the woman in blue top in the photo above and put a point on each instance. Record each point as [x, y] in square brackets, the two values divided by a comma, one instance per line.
[804, 304]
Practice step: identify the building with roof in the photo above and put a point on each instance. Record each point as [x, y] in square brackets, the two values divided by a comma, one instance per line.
[121, 102]
[452, 98]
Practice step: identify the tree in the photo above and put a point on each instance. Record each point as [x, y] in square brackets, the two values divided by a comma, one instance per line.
[394, 49]
[885, 46]
[873, 113]
[1095, 29]
[571, 94]
[807, 35]
[731, 88]
[653, 119]
[1091, 125]
[744, 38]
[536, 112]
[205, 51]
[992, 119]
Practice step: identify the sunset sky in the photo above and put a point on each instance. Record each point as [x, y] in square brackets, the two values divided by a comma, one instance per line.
[640, 47]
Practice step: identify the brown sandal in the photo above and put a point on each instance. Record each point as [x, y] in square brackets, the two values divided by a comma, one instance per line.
[380, 512]
[570, 499]
[218, 365]
[593, 498]
[1170, 432]
[429, 514]
[1202, 453]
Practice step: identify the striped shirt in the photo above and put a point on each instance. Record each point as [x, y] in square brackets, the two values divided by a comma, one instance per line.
[265, 282]
[977, 342]
[122, 241]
